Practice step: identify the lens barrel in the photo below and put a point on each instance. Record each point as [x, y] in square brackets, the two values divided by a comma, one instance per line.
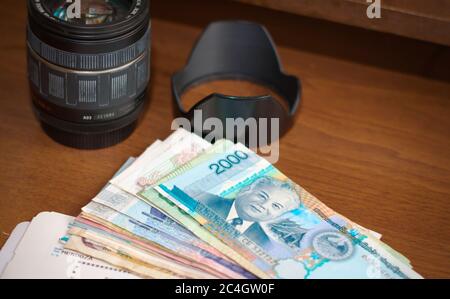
[88, 75]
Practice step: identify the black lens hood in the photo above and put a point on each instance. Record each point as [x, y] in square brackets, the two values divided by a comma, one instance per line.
[244, 51]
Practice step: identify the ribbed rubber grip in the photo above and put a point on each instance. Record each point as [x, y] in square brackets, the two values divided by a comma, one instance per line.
[88, 62]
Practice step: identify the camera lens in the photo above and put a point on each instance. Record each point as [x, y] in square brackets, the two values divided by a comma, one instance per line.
[88, 68]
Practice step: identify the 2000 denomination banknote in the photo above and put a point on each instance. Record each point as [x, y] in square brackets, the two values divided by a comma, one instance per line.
[280, 228]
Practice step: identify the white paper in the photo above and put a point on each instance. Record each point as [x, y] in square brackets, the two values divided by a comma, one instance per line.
[41, 255]
[8, 249]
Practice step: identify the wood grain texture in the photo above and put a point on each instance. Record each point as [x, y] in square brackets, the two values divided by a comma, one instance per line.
[424, 20]
[371, 140]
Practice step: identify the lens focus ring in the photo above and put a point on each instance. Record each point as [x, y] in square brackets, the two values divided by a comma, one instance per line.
[88, 61]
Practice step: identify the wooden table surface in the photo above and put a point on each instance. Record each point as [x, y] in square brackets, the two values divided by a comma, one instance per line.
[371, 140]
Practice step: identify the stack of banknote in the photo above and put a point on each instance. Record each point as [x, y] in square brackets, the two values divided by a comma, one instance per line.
[188, 209]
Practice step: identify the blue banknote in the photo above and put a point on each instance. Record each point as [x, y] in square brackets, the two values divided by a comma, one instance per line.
[277, 225]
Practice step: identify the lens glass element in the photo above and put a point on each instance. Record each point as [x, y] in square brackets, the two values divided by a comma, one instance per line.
[88, 12]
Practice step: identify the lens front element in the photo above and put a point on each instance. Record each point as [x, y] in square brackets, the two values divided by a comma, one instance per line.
[88, 12]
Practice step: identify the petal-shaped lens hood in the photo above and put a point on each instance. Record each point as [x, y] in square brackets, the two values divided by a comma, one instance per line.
[244, 51]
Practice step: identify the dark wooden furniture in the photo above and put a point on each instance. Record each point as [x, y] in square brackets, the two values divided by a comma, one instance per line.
[424, 20]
